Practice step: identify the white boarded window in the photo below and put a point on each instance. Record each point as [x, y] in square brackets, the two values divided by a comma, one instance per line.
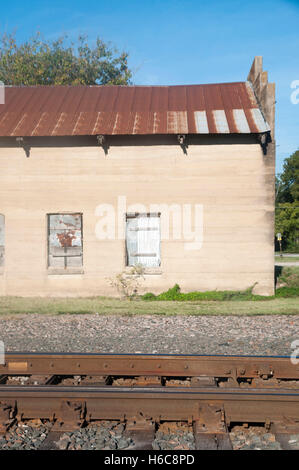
[2, 240]
[143, 240]
[65, 241]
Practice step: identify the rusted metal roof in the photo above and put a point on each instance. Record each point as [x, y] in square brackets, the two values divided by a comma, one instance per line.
[226, 108]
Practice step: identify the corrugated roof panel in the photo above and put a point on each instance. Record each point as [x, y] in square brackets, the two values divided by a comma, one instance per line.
[241, 121]
[211, 122]
[177, 99]
[125, 100]
[98, 117]
[201, 122]
[18, 125]
[90, 110]
[159, 124]
[58, 99]
[142, 99]
[26, 125]
[251, 121]
[69, 124]
[143, 122]
[221, 121]
[259, 120]
[247, 96]
[196, 98]
[73, 100]
[107, 98]
[85, 123]
[59, 123]
[212, 97]
[38, 99]
[159, 99]
[10, 94]
[90, 102]
[108, 123]
[128, 121]
[38, 125]
[177, 122]
[230, 96]
[51, 123]
[231, 122]
[230, 100]
[15, 102]
[15, 109]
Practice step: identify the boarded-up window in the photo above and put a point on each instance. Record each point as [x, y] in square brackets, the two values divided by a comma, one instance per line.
[65, 241]
[143, 240]
[2, 239]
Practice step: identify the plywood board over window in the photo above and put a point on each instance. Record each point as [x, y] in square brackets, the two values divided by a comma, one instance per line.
[65, 251]
[143, 240]
[2, 240]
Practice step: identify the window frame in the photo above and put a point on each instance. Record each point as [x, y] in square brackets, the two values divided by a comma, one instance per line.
[66, 269]
[147, 269]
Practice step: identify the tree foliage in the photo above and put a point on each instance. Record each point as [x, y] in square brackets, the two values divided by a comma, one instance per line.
[61, 62]
[287, 183]
[287, 223]
[287, 203]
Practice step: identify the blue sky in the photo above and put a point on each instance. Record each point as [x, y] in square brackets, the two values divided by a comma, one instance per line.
[183, 41]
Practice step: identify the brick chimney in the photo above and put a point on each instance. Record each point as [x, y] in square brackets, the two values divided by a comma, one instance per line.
[264, 92]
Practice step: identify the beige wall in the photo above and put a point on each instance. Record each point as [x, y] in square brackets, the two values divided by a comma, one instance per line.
[233, 181]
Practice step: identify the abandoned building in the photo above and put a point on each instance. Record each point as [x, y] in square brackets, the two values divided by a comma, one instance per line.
[97, 179]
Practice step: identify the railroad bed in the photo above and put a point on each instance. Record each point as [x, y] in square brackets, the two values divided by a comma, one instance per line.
[140, 401]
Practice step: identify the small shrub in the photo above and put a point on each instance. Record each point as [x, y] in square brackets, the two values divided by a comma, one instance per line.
[149, 296]
[172, 294]
[288, 277]
[127, 283]
[175, 294]
[287, 292]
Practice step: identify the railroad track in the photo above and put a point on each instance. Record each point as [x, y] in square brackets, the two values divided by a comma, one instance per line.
[207, 393]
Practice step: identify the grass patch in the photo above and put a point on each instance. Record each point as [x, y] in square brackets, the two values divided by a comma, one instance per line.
[287, 276]
[15, 306]
[287, 292]
[285, 302]
[287, 285]
[286, 259]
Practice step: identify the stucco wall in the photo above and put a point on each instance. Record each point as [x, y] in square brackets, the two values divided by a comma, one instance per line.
[230, 178]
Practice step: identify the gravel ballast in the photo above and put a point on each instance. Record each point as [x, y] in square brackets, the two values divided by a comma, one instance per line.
[25, 436]
[254, 335]
[106, 436]
[110, 435]
[120, 334]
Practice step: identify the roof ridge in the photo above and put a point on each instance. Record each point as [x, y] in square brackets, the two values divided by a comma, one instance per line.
[124, 86]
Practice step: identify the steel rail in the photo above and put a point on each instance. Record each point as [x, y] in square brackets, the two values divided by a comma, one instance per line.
[179, 404]
[151, 396]
[150, 365]
[93, 390]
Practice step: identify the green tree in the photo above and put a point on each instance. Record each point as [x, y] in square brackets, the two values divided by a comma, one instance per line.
[287, 183]
[287, 223]
[287, 203]
[61, 62]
